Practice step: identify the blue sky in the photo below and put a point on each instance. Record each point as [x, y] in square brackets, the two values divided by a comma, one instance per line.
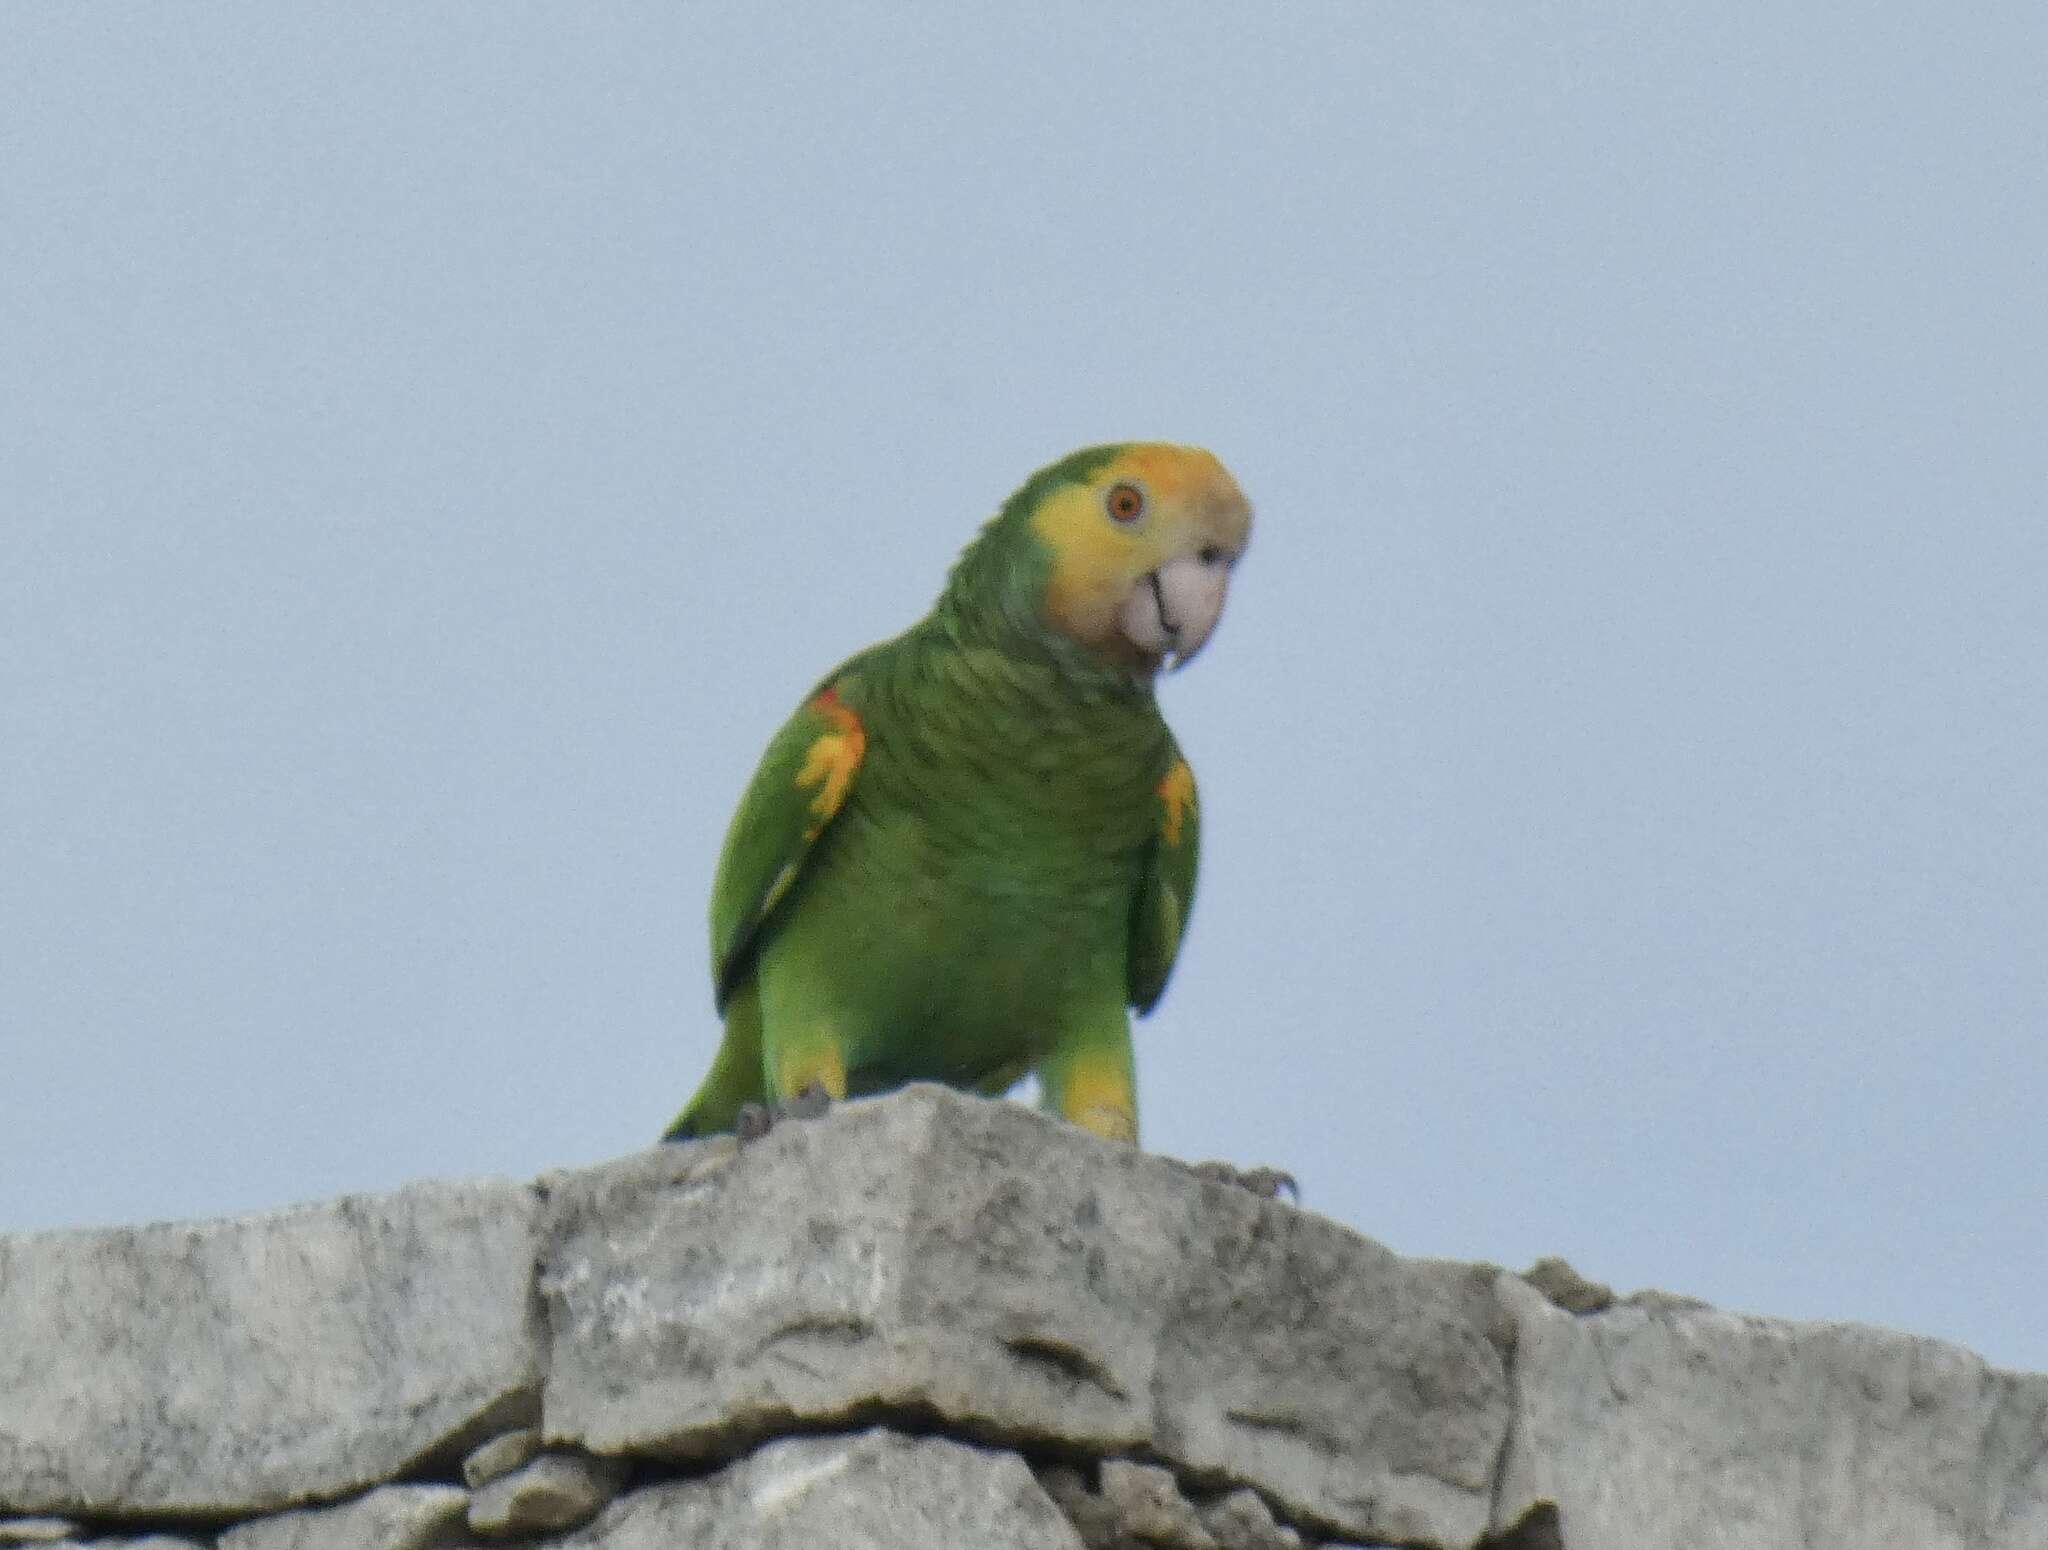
[438, 445]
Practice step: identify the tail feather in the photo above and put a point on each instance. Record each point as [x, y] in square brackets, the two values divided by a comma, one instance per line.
[735, 1078]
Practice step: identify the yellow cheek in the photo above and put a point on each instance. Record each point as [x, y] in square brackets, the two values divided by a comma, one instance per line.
[1093, 565]
[1096, 562]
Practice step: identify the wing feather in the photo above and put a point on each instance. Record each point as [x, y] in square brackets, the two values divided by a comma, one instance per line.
[799, 787]
[1166, 894]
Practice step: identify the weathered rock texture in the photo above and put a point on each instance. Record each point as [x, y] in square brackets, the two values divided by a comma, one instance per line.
[988, 1329]
[216, 1369]
[393, 1517]
[899, 1260]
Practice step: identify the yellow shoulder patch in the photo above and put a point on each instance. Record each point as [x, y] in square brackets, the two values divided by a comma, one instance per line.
[832, 759]
[1176, 796]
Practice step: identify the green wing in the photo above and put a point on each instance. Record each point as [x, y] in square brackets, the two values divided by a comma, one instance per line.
[801, 784]
[1166, 893]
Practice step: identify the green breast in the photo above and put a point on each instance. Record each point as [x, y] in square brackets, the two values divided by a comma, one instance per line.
[977, 888]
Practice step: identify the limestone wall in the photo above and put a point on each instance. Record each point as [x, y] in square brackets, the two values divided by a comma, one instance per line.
[931, 1320]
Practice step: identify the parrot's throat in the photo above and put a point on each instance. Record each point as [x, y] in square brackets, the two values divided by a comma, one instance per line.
[996, 598]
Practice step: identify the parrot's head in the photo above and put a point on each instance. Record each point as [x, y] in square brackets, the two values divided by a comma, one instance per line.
[1128, 548]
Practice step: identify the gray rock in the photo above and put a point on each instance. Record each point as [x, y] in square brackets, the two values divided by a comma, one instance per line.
[935, 1254]
[1243, 1521]
[1537, 1529]
[873, 1491]
[1139, 1506]
[1149, 1507]
[397, 1517]
[1556, 1279]
[1664, 1425]
[968, 1266]
[1135, 1505]
[1093, 1518]
[231, 1367]
[36, 1531]
[1655, 1300]
[554, 1492]
[500, 1456]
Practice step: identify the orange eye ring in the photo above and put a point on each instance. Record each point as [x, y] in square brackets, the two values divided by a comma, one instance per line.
[1125, 502]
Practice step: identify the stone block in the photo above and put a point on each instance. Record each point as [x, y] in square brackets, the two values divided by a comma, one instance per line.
[1665, 1423]
[221, 1369]
[872, 1491]
[932, 1254]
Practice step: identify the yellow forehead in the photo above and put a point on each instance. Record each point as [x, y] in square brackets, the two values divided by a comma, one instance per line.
[1169, 474]
[1184, 487]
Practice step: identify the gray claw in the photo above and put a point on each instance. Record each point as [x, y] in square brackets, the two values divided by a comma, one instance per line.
[755, 1120]
[808, 1104]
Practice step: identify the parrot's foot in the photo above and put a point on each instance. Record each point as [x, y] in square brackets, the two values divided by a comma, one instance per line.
[1266, 1183]
[755, 1120]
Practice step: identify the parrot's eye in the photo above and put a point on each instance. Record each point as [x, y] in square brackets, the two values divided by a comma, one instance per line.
[1126, 502]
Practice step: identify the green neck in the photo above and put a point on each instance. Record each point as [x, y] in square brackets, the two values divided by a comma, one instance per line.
[993, 597]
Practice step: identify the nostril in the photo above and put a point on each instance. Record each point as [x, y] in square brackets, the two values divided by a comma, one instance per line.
[1210, 554]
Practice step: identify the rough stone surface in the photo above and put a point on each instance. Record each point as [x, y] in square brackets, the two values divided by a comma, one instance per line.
[500, 1456]
[1556, 1279]
[1149, 1506]
[1537, 1529]
[35, 1531]
[873, 1491]
[1093, 1518]
[1142, 1507]
[944, 1256]
[974, 1273]
[1668, 1424]
[1133, 1505]
[397, 1517]
[553, 1492]
[230, 1367]
[1243, 1521]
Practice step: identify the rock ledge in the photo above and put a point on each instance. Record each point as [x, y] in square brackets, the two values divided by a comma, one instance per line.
[930, 1319]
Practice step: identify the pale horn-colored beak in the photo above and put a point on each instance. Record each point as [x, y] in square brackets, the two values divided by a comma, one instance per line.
[1173, 610]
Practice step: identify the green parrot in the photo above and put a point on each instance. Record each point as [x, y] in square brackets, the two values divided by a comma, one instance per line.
[972, 849]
